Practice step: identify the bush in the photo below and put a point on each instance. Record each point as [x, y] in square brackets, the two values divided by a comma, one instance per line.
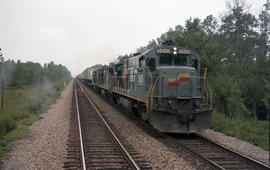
[21, 103]
[227, 96]
[7, 124]
[18, 114]
[35, 104]
[253, 131]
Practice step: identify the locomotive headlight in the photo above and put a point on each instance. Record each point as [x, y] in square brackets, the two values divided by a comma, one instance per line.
[174, 52]
[174, 49]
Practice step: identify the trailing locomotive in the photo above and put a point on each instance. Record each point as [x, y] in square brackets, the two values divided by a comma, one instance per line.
[86, 76]
[162, 86]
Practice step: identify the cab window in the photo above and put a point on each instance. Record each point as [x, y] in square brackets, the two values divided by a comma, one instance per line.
[180, 60]
[111, 71]
[165, 60]
[151, 64]
[195, 63]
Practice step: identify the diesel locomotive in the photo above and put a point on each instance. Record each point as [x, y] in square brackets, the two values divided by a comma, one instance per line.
[162, 86]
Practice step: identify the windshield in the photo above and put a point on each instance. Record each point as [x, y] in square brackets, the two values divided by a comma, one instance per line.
[178, 60]
[165, 60]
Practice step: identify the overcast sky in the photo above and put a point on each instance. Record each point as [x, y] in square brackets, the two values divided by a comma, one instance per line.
[81, 33]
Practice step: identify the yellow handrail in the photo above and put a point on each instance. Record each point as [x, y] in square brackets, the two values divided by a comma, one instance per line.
[209, 88]
[204, 79]
[153, 92]
[147, 100]
[111, 83]
[210, 92]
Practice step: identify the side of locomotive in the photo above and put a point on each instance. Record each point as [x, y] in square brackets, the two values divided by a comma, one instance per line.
[86, 76]
[162, 86]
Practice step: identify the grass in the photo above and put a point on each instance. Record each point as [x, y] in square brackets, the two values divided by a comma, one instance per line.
[22, 108]
[255, 132]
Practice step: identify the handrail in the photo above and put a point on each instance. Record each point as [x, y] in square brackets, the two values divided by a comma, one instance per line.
[111, 83]
[210, 92]
[204, 79]
[152, 91]
[147, 100]
[209, 88]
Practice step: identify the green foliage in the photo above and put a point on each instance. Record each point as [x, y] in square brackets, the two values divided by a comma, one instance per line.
[264, 20]
[7, 124]
[20, 74]
[239, 37]
[253, 131]
[228, 95]
[22, 107]
[151, 44]
[266, 98]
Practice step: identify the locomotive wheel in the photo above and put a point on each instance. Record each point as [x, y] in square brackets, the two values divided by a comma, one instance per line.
[136, 112]
[116, 99]
[144, 114]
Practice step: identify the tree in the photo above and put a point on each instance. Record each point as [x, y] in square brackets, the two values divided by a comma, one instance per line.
[1, 56]
[210, 25]
[29, 73]
[151, 44]
[239, 37]
[264, 24]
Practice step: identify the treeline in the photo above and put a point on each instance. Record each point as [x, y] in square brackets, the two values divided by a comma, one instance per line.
[19, 74]
[236, 53]
[29, 90]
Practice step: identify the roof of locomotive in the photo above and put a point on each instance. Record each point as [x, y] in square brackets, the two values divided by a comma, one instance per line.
[150, 53]
[154, 51]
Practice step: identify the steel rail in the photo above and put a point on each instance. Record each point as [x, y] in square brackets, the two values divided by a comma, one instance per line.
[257, 163]
[80, 131]
[197, 154]
[117, 141]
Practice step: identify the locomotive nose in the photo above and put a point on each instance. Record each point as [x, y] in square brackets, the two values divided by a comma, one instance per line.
[176, 82]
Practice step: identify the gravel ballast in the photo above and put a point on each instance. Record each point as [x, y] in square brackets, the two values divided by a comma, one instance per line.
[243, 147]
[46, 148]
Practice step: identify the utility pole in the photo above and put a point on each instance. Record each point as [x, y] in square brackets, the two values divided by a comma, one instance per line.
[2, 78]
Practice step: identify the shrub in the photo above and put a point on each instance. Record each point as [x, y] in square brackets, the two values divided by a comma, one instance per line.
[253, 131]
[7, 124]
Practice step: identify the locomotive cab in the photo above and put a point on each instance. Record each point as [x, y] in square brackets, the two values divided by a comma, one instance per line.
[177, 91]
[177, 76]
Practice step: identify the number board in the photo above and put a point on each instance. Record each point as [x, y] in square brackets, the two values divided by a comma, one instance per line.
[169, 51]
[183, 51]
[163, 51]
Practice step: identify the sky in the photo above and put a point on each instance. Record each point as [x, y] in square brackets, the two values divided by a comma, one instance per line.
[82, 33]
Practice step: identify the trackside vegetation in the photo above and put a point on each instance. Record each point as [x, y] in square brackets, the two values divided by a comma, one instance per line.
[30, 90]
[236, 51]
[252, 131]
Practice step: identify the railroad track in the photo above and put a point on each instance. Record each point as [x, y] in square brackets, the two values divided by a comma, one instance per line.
[92, 144]
[218, 156]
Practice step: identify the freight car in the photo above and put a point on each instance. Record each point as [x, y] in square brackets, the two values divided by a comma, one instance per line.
[162, 86]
